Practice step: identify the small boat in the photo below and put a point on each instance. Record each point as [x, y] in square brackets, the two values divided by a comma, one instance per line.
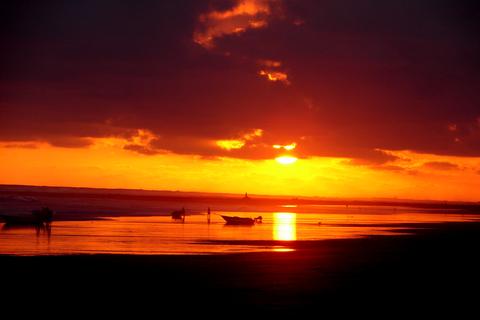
[241, 221]
[178, 214]
[24, 220]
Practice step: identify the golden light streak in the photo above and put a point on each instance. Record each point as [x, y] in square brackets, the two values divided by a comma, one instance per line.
[284, 226]
[275, 76]
[246, 14]
[288, 147]
[230, 144]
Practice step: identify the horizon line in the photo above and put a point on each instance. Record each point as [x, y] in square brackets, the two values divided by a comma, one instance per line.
[250, 195]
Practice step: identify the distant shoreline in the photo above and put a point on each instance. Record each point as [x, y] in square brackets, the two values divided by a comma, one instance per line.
[226, 199]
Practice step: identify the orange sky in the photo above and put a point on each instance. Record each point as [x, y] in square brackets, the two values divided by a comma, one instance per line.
[314, 98]
[107, 164]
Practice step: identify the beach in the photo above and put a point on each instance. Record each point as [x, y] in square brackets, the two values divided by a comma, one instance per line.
[104, 253]
[435, 266]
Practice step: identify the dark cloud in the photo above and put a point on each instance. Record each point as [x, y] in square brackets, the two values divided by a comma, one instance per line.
[365, 75]
[26, 145]
[70, 142]
[250, 148]
[441, 165]
[365, 157]
[146, 150]
[390, 168]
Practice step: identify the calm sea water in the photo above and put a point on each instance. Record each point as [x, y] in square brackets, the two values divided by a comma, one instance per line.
[161, 235]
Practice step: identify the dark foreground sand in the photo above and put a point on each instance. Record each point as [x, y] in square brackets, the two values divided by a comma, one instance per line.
[437, 270]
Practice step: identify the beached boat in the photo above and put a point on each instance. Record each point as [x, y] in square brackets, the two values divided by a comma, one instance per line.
[178, 214]
[241, 221]
[37, 217]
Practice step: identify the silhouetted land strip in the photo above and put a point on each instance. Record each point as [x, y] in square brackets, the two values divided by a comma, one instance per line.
[435, 269]
[465, 207]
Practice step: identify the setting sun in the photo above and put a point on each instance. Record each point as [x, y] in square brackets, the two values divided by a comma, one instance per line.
[286, 160]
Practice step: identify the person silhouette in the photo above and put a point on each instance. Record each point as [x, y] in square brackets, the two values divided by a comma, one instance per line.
[208, 215]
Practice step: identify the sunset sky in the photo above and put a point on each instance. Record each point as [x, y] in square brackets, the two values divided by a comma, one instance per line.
[334, 98]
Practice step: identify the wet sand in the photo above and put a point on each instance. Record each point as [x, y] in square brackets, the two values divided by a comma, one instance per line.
[435, 269]
[152, 235]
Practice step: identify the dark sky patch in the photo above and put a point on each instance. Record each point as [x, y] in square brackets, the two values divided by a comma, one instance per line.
[364, 75]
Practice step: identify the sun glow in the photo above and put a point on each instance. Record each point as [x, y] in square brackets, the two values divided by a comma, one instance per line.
[286, 160]
[106, 163]
[287, 147]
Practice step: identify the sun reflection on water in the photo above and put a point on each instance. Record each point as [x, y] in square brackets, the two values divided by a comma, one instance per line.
[284, 226]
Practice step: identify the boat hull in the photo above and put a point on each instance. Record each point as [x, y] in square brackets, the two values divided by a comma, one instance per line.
[22, 220]
[239, 221]
[38, 217]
